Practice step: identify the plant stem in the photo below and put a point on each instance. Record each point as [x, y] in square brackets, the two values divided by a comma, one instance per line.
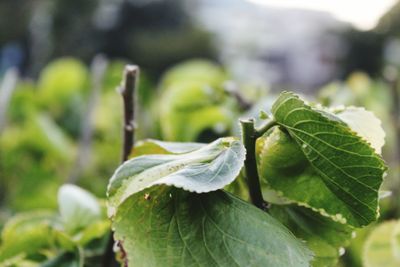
[262, 129]
[249, 140]
[127, 91]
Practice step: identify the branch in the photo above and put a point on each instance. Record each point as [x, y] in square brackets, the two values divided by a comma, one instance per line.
[250, 164]
[127, 91]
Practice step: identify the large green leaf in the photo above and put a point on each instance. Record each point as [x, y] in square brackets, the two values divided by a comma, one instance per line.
[166, 226]
[203, 170]
[339, 174]
[325, 237]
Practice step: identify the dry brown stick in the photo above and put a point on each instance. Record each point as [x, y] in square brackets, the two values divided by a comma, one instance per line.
[127, 91]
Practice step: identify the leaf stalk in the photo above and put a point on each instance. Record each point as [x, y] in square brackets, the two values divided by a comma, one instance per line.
[264, 128]
[249, 136]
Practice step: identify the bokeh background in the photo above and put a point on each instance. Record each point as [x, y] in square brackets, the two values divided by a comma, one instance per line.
[61, 60]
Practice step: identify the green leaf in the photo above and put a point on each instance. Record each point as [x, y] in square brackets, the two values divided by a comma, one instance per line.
[78, 208]
[325, 237]
[333, 171]
[380, 249]
[206, 169]
[179, 228]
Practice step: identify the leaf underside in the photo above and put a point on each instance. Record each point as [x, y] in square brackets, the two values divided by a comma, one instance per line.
[208, 168]
[346, 165]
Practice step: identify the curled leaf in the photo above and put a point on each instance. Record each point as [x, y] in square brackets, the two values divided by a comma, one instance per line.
[206, 169]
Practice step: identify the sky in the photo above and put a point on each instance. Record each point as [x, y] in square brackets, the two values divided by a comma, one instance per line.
[362, 14]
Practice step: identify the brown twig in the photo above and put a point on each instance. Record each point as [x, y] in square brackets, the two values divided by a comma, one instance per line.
[127, 91]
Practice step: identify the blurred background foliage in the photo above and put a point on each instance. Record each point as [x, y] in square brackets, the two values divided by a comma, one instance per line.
[61, 61]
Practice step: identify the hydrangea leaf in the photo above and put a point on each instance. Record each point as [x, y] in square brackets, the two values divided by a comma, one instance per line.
[325, 165]
[167, 226]
[151, 146]
[206, 169]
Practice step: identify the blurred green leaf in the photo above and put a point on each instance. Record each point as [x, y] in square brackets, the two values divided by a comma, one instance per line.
[199, 70]
[381, 249]
[78, 208]
[26, 234]
[61, 79]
